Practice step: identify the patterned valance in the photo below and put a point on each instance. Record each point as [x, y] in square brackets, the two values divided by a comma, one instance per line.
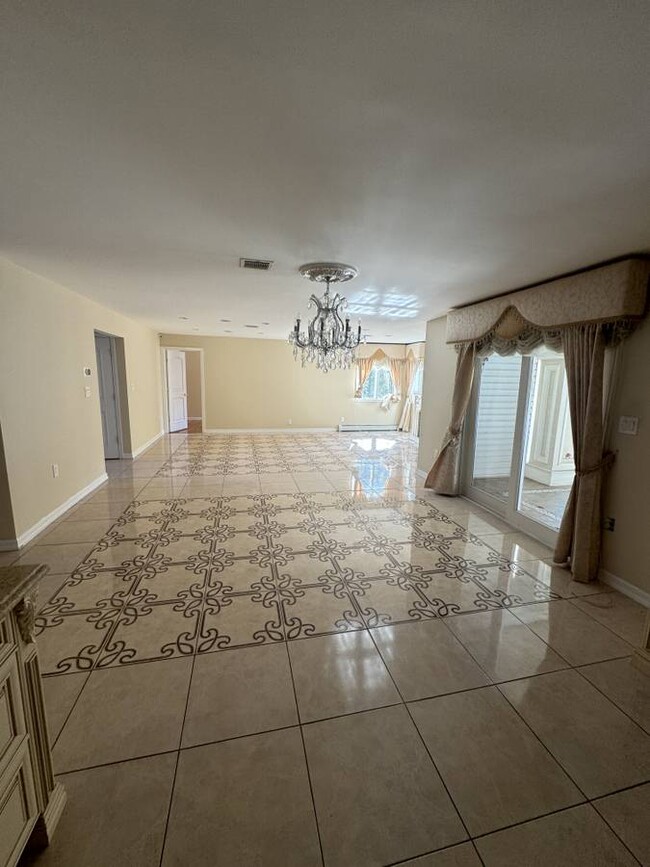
[611, 294]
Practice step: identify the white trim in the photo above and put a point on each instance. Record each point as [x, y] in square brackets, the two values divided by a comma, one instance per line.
[625, 587]
[233, 430]
[194, 418]
[144, 446]
[421, 473]
[39, 526]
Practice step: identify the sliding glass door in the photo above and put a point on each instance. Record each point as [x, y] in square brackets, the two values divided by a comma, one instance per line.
[518, 451]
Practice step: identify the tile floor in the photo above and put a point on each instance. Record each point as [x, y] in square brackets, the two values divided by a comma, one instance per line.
[281, 650]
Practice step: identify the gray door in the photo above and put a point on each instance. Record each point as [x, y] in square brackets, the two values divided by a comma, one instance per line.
[108, 395]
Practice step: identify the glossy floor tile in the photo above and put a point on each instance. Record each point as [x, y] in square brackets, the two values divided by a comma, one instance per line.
[378, 796]
[496, 770]
[463, 855]
[339, 674]
[577, 637]
[123, 713]
[244, 801]
[426, 659]
[251, 614]
[114, 815]
[600, 747]
[235, 694]
[503, 646]
[572, 838]
[627, 685]
[627, 814]
[619, 613]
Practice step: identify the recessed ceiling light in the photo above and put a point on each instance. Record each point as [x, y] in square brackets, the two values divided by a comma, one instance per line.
[266, 323]
[225, 320]
[251, 326]
[184, 317]
[227, 332]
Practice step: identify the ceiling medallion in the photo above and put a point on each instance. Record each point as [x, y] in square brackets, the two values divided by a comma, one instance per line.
[329, 342]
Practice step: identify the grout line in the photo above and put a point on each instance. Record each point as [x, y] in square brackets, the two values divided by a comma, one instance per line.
[414, 724]
[304, 752]
[178, 757]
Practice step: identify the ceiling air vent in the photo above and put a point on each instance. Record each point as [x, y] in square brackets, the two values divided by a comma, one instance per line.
[256, 264]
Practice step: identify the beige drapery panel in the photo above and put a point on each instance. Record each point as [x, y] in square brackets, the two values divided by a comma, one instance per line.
[578, 543]
[364, 366]
[410, 367]
[444, 474]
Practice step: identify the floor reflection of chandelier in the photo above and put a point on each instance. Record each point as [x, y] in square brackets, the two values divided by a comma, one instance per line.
[329, 342]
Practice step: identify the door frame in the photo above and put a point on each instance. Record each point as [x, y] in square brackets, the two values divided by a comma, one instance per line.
[165, 384]
[117, 380]
[507, 510]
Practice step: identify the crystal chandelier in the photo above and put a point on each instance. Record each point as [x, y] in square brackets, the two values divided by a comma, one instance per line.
[328, 341]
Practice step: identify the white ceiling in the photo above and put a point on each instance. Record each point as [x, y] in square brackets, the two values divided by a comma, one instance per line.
[449, 150]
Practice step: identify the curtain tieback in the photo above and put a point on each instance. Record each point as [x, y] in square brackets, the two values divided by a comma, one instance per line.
[451, 439]
[605, 464]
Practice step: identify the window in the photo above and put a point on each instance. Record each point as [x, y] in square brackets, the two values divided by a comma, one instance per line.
[378, 385]
[416, 388]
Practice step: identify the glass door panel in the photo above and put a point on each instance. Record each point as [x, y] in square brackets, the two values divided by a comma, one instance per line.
[495, 423]
[548, 465]
[517, 447]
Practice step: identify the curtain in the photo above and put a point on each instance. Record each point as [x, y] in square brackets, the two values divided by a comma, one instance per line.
[580, 532]
[443, 476]
[364, 366]
[410, 367]
[396, 367]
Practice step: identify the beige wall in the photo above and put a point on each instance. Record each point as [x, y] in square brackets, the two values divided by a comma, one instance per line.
[626, 551]
[46, 339]
[193, 374]
[437, 389]
[252, 383]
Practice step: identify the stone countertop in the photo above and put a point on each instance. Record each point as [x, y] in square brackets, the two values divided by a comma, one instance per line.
[16, 582]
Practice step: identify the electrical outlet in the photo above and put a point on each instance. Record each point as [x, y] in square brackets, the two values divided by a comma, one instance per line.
[609, 524]
[55, 471]
[628, 424]
[342, 419]
[87, 391]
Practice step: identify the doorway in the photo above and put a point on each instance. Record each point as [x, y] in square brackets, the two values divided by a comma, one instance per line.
[518, 452]
[111, 378]
[183, 389]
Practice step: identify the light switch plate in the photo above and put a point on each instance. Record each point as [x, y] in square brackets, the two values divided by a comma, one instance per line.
[87, 391]
[628, 424]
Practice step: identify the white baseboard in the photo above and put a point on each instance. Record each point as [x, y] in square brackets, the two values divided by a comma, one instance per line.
[625, 587]
[195, 418]
[273, 430]
[39, 526]
[143, 447]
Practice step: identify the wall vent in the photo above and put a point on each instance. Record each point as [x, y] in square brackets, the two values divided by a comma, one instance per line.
[256, 264]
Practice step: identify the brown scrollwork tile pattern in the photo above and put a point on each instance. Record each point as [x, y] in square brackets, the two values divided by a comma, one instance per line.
[211, 545]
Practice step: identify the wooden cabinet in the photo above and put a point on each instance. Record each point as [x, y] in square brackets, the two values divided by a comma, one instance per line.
[30, 801]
